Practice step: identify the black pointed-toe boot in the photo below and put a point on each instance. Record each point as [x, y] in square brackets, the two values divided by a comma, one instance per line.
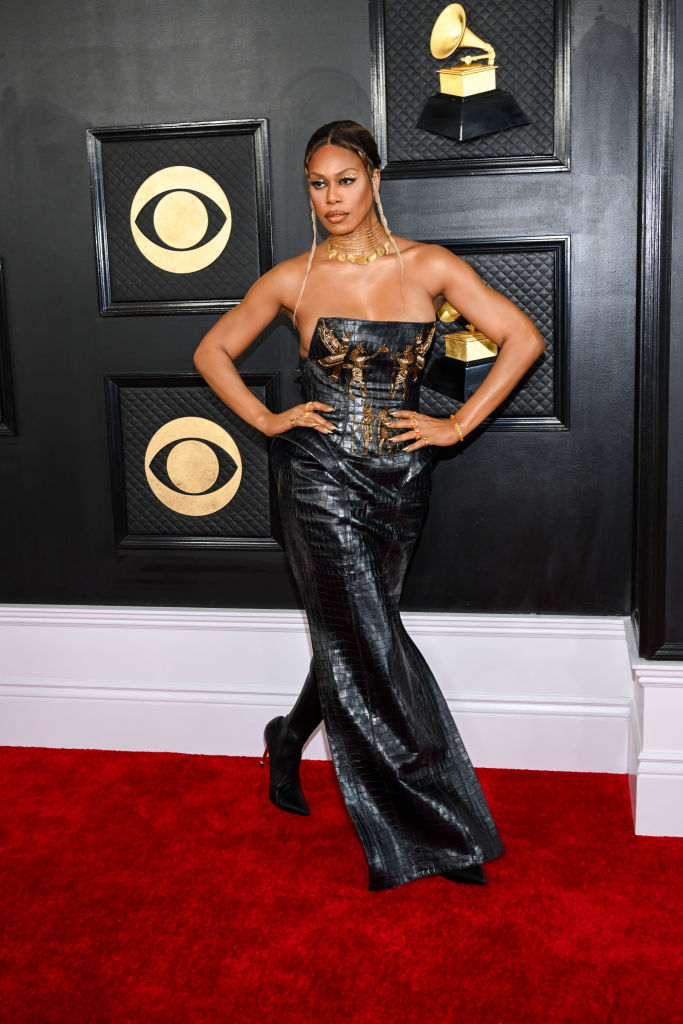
[284, 737]
[473, 875]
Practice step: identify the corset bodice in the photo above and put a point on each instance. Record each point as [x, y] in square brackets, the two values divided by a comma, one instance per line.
[365, 369]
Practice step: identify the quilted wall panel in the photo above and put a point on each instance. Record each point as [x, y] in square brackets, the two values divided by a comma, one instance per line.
[534, 279]
[141, 406]
[234, 156]
[528, 40]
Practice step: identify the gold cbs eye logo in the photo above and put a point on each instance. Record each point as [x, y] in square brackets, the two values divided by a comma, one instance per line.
[192, 466]
[189, 201]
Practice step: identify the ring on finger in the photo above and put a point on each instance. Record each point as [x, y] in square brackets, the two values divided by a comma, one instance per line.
[308, 406]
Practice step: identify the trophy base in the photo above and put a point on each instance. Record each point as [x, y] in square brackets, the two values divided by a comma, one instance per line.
[469, 117]
[456, 379]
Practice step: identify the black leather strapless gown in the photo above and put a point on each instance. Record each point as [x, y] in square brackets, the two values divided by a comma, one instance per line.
[352, 506]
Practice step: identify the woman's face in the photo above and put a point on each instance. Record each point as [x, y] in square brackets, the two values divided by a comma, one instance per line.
[340, 189]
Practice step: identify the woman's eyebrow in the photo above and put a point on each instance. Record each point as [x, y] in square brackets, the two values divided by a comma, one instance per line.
[315, 174]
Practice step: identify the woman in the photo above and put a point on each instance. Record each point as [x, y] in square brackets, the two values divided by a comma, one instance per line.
[353, 464]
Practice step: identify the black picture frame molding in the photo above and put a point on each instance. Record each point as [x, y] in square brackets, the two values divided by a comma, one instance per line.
[558, 160]
[560, 247]
[96, 137]
[123, 538]
[654, 309]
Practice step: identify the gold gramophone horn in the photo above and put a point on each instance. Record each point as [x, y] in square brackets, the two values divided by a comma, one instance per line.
[450, 31]
[469, 104]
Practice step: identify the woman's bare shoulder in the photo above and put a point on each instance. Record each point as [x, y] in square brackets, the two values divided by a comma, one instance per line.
[286, 270]
[426, 252]
[282, 282]
[435, 267]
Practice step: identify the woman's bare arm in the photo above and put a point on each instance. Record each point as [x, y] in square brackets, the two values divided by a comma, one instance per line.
[500, 320]
[520, 343]
[233, 334]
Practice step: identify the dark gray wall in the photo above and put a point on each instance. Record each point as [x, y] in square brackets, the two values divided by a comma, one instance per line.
[82, 64]
[535, 521]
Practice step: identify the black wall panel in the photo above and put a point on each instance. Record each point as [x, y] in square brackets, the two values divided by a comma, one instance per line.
[674, 567]
[658, 593]
[560, 540]
[520, 520]
[530, 46]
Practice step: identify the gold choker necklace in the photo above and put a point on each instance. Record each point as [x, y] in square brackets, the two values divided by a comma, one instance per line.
[361, 246]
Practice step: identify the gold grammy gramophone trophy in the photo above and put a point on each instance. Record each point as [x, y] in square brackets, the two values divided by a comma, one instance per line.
[469, 104]
[468, 356]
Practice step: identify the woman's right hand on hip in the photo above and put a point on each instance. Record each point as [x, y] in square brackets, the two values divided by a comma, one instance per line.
[305, 415]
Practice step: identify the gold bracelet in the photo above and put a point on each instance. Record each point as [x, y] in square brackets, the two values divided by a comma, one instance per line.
[456, 427]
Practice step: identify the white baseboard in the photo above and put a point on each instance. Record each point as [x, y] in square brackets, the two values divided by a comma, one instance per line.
[656, 749]
[538, 692]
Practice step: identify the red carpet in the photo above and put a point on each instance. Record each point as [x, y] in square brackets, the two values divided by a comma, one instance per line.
[146, 888]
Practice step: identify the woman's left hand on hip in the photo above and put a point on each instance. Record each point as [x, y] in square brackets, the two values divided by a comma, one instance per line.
[421, 430]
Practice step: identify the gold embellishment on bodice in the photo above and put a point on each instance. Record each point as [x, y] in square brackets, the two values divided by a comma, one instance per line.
[337, 348]
[358, 357]
[366, 425]
[410, 361]
[384, 433]
[407, 364]
[422, 347]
